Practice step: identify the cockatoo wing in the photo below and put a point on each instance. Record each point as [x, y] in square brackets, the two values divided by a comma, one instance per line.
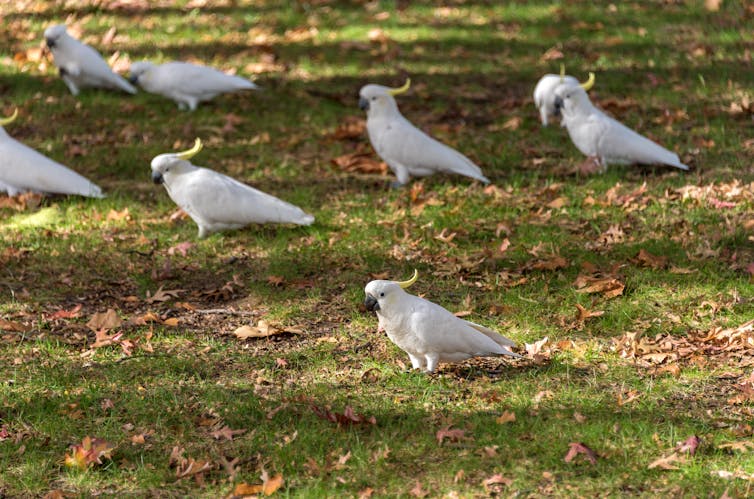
[24, 169]
[197, 80]
[89, 64]
[219, 199]
[585, 132]
[620, 144]
[404, 144]
[493, 335]
[444, 333]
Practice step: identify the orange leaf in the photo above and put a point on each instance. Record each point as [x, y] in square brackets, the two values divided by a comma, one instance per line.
[506, 417]
[583, 314]
[104, 321]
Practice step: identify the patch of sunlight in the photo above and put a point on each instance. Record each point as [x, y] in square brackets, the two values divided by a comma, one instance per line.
[46, 217]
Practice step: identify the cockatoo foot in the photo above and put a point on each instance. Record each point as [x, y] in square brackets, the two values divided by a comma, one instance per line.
[590, 166]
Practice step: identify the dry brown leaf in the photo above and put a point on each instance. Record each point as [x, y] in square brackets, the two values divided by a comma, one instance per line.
[13, 326]
[418, 491]
[512, 123]
[668, 462]
[558, 203]
[497, 479]
[506, 417]
[647, 259]
[583, 314]
[577, 448]
[226, 433]
[610, 287]
[352, 128]
[740, 446]
[104, 321]
[162, 295]
[536, 347]
[452, 435]
[361, 162]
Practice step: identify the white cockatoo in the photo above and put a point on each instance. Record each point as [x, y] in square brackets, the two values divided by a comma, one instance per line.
[80, 65]
[544, 93]
[215, 201]
[427, 332]
[23, 169]
[408, 151]
[599, 136]
[185, 83]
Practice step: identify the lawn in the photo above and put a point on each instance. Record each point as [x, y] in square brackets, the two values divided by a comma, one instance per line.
[630, 293]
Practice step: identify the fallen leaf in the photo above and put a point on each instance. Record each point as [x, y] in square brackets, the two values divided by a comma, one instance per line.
[688, 446]
[584, 314]
[418, 491]
[65, 314]
[89, 452]
[346, 418]
[608, 286]
[577, 448]
[181, 248]
[535, 348]
[104, 321]
[506, 417]
[453, 435]
[360, 162]
[12, 326]
[497, 479]
[263, 330]
[668, 462]
[226, 433]
[647, 259]
[740, 446]
[162, 295]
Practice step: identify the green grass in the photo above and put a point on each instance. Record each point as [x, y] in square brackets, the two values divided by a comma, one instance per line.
[670, 70]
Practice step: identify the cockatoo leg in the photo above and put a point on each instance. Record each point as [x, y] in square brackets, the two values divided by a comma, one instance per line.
[432, 360]
[591, 165]
[416, 362]
[69, 83]
[401, 174]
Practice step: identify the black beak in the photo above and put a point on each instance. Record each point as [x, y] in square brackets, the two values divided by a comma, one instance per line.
[371, 304]
[50, 42]
[363, 104]
[558, 105]
[157, 177]
[133, 80]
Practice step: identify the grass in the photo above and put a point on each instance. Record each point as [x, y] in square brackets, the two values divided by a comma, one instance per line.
[674, 71]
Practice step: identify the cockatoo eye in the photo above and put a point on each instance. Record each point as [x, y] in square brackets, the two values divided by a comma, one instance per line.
[374, 98]
[382, 294]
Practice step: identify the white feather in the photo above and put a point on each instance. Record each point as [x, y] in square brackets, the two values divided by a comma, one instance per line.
[24, 169]
[427, 332]
[544, 95]
[408, 151]
[80, 65]
[596, 134]
[185, 83]
[217, 202]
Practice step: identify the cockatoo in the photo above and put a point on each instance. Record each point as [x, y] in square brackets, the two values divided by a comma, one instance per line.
[408, 151]
[599, 136]
[544, 93]
[215, 201]
[428, 333]
[24, 169]
[80, 65]
[185, 83]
